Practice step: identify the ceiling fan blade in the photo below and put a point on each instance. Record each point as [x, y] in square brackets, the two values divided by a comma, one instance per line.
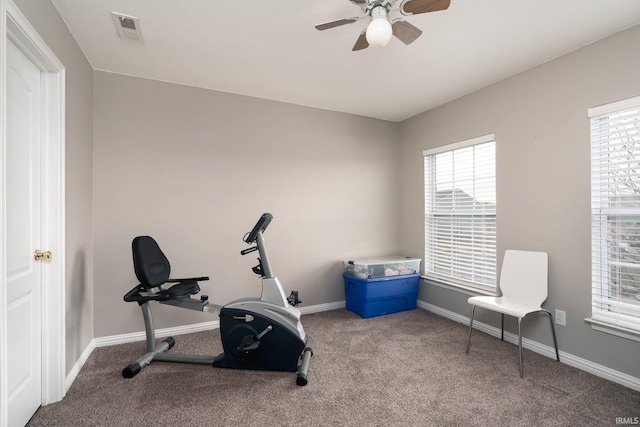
[358, 2]
[414, 7]
[337, 23]
[405, 32]
[362, 42]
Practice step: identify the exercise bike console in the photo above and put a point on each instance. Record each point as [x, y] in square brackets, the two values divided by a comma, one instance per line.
[260, 227]
[257, 333]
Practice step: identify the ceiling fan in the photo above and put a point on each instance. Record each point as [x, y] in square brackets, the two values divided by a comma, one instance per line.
[381, 27]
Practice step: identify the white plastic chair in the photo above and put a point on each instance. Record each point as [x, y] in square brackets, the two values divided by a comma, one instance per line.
[524, 287]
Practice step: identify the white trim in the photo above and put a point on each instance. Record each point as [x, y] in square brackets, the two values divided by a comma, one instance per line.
[612, 329]
[323, 307]
[159, 333]
[611, 169]
[3, 246]
[132, 337]
[569, 359]
[75, 370]
[605, 109]
[17, 29]
[444, 257]
[198, 327]
[566, 358]
[462, 144]
[53, 283]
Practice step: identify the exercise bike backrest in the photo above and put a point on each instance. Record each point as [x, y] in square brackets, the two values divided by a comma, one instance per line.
[151, 266]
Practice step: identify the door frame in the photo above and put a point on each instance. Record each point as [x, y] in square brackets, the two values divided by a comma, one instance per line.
[15, 27]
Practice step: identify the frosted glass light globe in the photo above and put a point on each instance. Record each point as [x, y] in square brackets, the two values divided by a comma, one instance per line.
[379, 32]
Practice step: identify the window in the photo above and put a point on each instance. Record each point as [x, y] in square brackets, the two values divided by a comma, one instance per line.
[460, 213]
[615, 215]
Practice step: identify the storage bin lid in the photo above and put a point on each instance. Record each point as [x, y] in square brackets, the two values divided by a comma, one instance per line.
[380, 260]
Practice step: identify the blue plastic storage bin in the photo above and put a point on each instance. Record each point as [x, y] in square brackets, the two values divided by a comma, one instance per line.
[384, 295]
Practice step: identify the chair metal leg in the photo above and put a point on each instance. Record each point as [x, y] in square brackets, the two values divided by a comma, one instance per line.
[520, 345]
[473, 310]
[502, 328]
[553, 331]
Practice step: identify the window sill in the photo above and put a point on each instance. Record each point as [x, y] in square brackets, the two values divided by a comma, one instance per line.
[468, 290]
[613, 330]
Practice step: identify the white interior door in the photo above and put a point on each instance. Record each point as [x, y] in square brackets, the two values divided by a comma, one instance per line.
[23, 226]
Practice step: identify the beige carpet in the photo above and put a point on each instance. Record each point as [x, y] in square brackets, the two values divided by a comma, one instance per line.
[408, 368]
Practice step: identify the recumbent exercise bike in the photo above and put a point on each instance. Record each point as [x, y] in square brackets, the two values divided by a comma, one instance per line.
[263, 333]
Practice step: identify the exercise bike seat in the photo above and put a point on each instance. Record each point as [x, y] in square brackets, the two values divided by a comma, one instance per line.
[152, 269]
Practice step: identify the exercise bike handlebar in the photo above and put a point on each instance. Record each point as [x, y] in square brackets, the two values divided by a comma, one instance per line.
[255, 236]
[260, 226]
[248, 250]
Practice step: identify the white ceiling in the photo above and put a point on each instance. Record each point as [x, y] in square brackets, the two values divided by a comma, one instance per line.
[270, 48]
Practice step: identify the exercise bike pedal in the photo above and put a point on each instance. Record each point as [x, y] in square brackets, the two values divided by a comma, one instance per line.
[258, 270]
[250, 344]
[248, 348]
[294, 299]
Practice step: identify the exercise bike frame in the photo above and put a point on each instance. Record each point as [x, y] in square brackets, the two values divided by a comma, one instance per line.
[264, 333]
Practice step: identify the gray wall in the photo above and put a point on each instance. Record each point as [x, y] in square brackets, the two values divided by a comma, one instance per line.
[540, 121]
[195, 169]
[78, 180]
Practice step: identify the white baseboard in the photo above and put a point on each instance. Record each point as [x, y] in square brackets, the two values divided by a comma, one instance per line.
[71, 376]
[567, 358]
[160, 333]
[198, 327]
[323, 307]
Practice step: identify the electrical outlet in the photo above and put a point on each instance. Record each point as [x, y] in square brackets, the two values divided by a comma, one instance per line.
[561, 317]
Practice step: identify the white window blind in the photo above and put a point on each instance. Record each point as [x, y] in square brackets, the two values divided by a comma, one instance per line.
[615, 213]
[460, 213]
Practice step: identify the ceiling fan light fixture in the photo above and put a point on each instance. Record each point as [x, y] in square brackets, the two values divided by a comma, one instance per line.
[379, 31]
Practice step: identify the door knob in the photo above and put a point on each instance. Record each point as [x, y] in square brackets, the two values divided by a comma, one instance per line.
[37, 255]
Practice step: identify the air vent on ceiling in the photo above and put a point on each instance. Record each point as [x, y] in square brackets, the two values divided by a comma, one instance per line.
[128, 27]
